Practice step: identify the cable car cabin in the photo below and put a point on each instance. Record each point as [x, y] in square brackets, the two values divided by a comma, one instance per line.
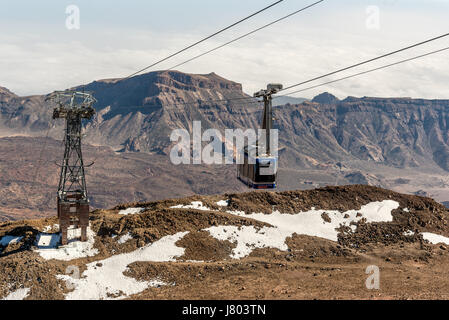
[257, 172]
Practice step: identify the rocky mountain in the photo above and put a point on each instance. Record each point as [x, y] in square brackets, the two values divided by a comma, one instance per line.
[325, 98]
[138, 114]
[29, 177]
[325, 141]
[280, 100]
[22, 115]
[6, 95]
[313, 244]
[396, 132]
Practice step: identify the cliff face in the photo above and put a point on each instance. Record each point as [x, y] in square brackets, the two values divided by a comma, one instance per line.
[146, 92]
[6, 95]
[396, 132]
[405, 130]
[138, 114]
[22, 115]
[325, 98]
[255, 245]
[324, 142]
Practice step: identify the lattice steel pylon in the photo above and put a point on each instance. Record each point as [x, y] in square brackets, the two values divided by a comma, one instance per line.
[73, 201]
[267, 121]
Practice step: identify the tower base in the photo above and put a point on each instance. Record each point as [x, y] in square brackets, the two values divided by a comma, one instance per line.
[73, 213]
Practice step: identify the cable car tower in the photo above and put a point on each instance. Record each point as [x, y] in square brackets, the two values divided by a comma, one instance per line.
[73, 202]
[259, 167]
[267, 121]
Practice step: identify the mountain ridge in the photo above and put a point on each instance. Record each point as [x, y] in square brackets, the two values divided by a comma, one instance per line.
[355, 140]
[138, 114]
[204, 246]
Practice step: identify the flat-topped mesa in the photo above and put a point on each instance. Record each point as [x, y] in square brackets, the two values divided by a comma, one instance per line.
[195, 82]
[173, 88]
[140, 113]
[177, 78]
[395, 100]
[325, 98]
[149, 106]
[162, 88]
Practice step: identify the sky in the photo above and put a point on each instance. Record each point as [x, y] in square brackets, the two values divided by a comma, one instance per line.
[40, 54]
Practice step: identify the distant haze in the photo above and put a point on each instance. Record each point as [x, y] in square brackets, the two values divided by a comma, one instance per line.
[280, 101]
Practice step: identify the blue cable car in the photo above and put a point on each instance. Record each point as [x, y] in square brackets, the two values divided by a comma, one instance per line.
[258, 169]
[257, 172]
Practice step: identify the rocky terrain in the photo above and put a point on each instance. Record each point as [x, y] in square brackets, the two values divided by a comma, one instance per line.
[326, 141]
[29, 177]
[314, 244]
[138, 114]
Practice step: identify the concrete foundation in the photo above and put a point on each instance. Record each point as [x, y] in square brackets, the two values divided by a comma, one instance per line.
[73, 213]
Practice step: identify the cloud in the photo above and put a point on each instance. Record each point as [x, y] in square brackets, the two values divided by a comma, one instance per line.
[293, 51]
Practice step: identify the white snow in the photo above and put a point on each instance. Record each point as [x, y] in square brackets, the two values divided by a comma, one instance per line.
[50, 228]
[48, 246]
[6, 240]
[223, 203]
[435, 238]
[125, 238]
[249, 238]
[105, 279]
[194, 205]
[131, 211]
[19, 294]
[406, 210]
[303, 223]
[408, 233]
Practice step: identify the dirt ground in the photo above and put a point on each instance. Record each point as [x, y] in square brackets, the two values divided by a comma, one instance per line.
[311, 268]
[257, 279]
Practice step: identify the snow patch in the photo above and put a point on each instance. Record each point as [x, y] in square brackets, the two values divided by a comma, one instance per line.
[125, 238]
[19, 294]
[406, 210]
[50, 228]
[223, 203]
[104, 279]
[48, 245]
[128, 211]
[435, 238]
[6, 240]
[408, 233]
[198, 205]
[304, 223]
[249, 238]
